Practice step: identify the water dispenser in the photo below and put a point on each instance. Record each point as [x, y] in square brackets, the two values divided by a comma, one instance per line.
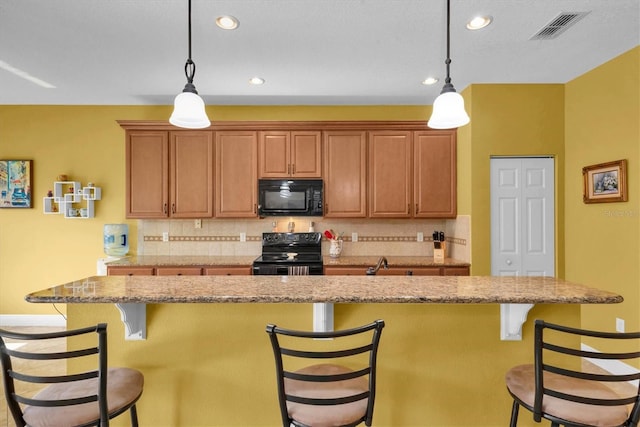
[116, 239]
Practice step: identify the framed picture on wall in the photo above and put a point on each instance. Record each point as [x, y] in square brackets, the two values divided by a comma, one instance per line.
[15, 183]
[605, 182]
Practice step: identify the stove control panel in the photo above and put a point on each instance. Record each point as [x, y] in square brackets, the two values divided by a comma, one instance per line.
[287, 239]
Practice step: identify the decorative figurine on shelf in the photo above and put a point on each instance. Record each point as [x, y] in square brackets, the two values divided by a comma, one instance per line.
[49, 193]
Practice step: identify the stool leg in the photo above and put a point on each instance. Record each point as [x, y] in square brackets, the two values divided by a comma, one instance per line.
[514, 414]
[134, 416]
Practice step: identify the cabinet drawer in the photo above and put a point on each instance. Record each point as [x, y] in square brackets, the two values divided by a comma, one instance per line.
[455, 271]
[415, 271]
[244, 270]
[130, 271]
[345, 271]
[178, 271]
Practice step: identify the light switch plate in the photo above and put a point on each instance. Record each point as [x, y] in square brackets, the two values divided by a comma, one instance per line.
[420, 236]
[165, 236]
[354, 237]
[619, 325]
[197, 223]
[243, 237]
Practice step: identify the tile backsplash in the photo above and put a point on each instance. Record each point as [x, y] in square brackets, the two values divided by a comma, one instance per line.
[244, 237]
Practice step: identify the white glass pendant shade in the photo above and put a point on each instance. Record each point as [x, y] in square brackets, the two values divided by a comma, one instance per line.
[448, 112]
[189, 112]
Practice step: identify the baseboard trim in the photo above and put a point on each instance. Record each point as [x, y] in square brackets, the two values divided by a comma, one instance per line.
[616, 367]
[32, 320]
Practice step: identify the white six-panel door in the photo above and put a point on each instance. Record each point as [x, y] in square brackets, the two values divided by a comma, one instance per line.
[522, 227]
[522, 216]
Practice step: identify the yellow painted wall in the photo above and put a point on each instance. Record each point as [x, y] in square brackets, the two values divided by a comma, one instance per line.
[86, 143]
[602, 112]
[212, 364]
[511, 120]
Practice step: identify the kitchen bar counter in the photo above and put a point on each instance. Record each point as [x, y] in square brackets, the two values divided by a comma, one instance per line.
[323, 289]
[516, 295]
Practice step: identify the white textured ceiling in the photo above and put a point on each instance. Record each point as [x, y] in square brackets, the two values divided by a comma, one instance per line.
[310, 52]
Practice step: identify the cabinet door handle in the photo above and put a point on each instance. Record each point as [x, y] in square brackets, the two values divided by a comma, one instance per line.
[255, 208]
[416, 211]
[289, 169]
[173, 208]
[408, 208]
[164, 208]
[293, 169]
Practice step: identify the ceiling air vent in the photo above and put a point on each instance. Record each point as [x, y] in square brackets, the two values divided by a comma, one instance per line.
[558, 25]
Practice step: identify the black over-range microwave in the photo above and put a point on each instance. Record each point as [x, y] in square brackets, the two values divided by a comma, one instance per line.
[290, 197]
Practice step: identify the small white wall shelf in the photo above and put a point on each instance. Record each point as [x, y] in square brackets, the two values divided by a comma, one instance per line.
[72, 200]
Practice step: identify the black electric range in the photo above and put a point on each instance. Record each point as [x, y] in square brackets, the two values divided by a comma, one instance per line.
[288, 254]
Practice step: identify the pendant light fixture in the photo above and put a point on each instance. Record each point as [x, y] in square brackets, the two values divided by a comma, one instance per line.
[188, 110]
[448, 108]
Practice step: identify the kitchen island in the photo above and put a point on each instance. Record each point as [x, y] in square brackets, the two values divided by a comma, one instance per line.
[208, 362]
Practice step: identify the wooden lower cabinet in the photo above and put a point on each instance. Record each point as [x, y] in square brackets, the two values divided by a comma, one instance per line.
[456, 271]
[178, 271]
[130, 271]
[234, 270]
[244, 270]
[398, 271]
[412, 271]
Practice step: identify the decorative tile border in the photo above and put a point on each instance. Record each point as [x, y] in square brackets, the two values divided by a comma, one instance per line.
[453, 240]
[202, 238]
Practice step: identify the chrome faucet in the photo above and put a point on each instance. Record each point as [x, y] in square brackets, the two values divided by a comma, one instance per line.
[382, 262]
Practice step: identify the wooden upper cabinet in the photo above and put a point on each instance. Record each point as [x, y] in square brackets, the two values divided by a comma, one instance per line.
[390, 174]
[191, 172]
[435, 184]
[290, 154]
[169, 174]
[370, 169]
[236, 174]
[147, 165]
[345, 174]
[306, 154]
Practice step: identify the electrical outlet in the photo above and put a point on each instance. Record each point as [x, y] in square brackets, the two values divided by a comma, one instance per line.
[354, 237]
[197, 223]
[420, 236]
[165, 236]
[619, 325]
[243, 237]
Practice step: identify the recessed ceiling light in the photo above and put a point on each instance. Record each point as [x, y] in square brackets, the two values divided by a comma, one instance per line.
[227, 22]
[430, 81]
[479, 22]
[256, 81]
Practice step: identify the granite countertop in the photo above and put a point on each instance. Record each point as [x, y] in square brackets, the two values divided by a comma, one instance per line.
[186, 260]
[312, 289]
[343, 261]
[394, 261]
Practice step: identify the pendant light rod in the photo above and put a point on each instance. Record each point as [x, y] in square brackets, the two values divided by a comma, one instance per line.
[190, 66]
[448, 108]
[189, 109]
[447, 61]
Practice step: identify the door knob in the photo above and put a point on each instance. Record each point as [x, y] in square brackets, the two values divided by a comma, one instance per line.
[508, 262]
